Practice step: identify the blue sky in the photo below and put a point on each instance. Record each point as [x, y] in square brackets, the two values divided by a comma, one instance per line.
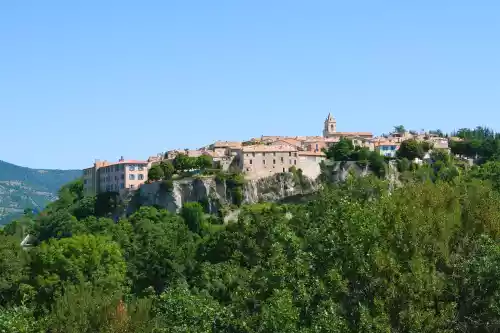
[85, 80]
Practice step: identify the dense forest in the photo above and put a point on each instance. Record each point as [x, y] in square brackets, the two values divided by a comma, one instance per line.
[420, 254]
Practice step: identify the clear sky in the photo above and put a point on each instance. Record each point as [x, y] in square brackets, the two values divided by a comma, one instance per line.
[94, 79]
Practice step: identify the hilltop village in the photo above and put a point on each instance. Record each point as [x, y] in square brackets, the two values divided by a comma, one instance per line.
[256, 158]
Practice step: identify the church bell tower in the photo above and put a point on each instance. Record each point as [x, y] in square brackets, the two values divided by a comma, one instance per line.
[330, 126]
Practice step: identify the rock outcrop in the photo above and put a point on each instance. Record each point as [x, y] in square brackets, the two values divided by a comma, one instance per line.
[215, 194]
[335, 172]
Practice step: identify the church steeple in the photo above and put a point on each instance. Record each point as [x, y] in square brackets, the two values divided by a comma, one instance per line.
[330, 126]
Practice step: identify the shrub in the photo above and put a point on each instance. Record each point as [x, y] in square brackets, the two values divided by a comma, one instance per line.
[167, 185]
[237, 196]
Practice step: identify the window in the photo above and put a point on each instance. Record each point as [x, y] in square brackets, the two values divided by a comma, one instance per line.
[131, 167]
[141, 167]
[282, 159]
[116, 177]
[122, 176]
[274, 154]
[140, 176]
[289, 161]
[250, 161]
[290, 154]
[122, 186]
[295, 154]
[117, 167]
[85, 182]
[294, 162]
[264, 162]
[274, 161]
[131, 177]
[253, 154]
[283, 169]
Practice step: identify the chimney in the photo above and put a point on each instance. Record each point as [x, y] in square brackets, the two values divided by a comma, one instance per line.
[121, 159]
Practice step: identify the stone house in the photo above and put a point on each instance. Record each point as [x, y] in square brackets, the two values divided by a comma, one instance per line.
[117, 177]
[261, 161]
[310, 163]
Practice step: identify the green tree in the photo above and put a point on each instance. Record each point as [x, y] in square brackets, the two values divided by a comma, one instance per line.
[490, 171]
[168, 169]
[13, 269]
[18, 319]
[160, 251]
[399, 129]
[479, 292]
[179, 310]
[60, 224]
[156, 173]
[194, 215]
[77, 260]
[84, 207]
[183, 162]
[89, 309]
[341, 151]
[437, 132]
[107, 204]
[410, 149]
[204, 162]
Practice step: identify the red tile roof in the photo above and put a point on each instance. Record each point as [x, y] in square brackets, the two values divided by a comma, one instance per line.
[311, 153]
[271, 148]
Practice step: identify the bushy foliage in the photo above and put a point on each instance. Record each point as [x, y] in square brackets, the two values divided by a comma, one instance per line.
[361, 256]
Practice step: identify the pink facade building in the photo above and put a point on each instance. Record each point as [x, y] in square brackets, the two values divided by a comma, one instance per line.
[115, 177]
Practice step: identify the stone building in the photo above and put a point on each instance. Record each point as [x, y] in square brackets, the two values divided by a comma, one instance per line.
[261, 161]
[114, 177]
[309, 162]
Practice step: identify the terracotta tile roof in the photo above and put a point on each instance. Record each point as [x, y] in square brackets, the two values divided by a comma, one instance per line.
[311, 153]
[125, 162]
[353, 133]
[292, 142]
[214, 154]
[385, 143]
[314, 137]
[227, 144]
[270, 148]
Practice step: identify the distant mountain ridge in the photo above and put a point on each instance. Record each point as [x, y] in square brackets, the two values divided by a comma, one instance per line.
[22, 187]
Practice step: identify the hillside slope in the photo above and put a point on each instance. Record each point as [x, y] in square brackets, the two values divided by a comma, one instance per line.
[22, 188]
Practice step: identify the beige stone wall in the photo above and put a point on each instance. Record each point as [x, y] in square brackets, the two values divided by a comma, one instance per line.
[310, 165]
[265, 164]
[89, 181]
[110, 177]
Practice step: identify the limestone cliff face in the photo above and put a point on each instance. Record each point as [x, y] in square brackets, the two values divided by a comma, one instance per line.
[336, 172]
[215, 194]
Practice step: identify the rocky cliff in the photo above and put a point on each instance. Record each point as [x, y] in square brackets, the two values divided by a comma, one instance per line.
[335, 172]
[215, 193]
